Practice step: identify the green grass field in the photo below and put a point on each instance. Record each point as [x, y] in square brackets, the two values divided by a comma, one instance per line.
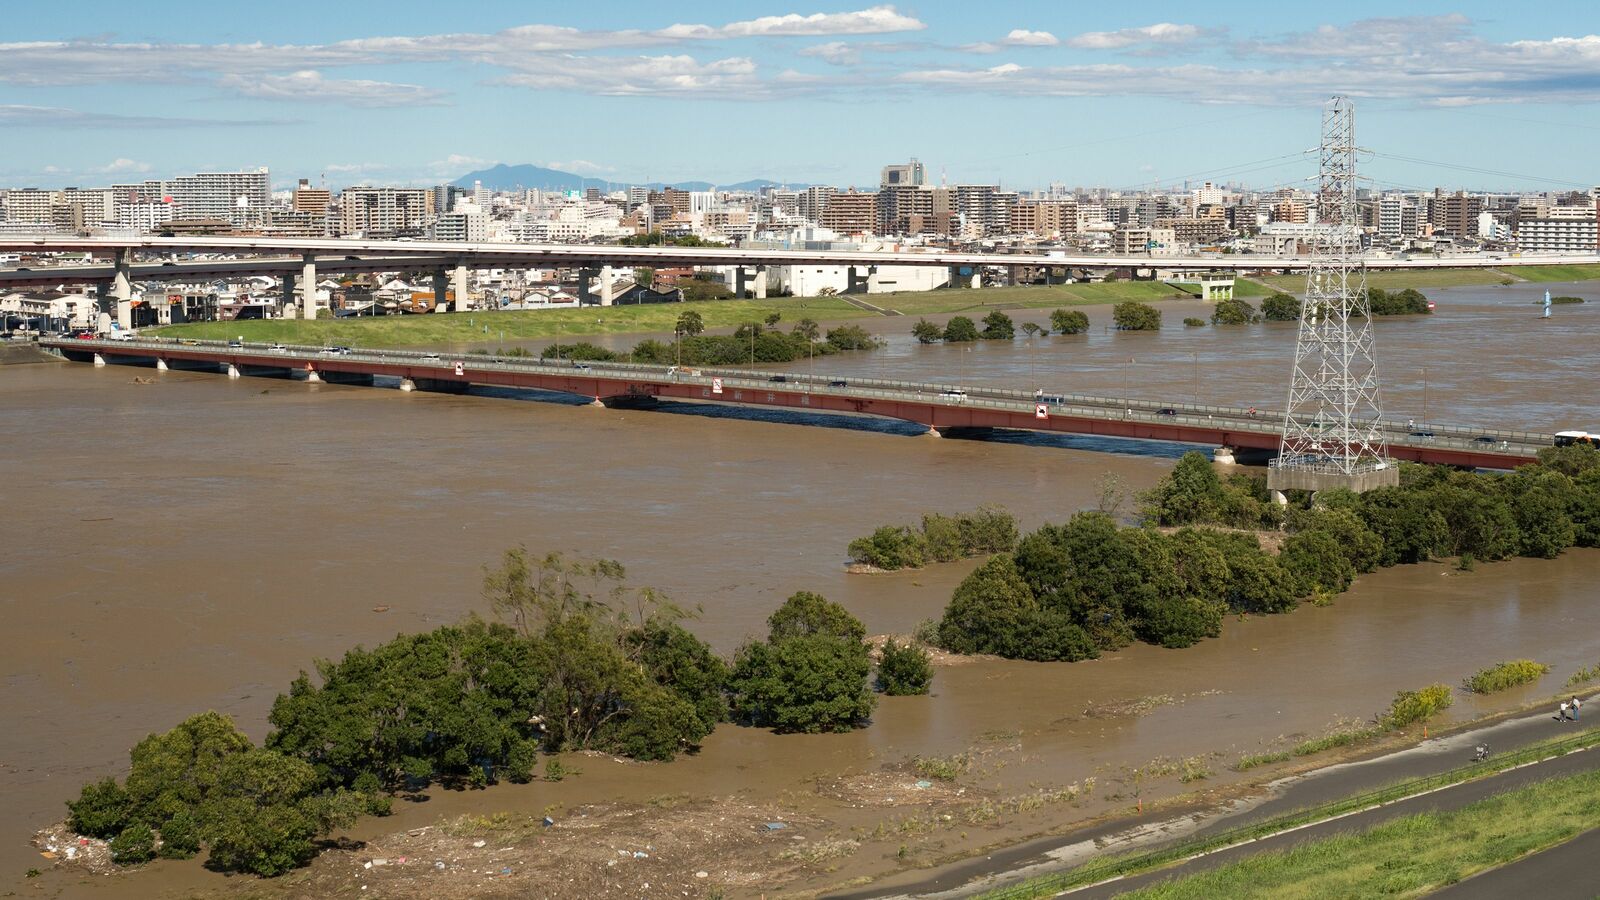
[1555, 273]
[396, 331]
[957, 300]
[1409, 856]
[1398, 281]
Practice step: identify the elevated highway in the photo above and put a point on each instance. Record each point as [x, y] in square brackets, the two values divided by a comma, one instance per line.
[936, 406]
[278, 256]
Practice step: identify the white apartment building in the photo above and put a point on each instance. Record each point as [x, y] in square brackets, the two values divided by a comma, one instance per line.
[1563, 229]
[1397, 217]
[27, 205]
[143, 215]
[239, 198]
[380, 211]
[466, 223]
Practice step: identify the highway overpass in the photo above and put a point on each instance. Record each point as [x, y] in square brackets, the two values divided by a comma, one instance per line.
[937, 406]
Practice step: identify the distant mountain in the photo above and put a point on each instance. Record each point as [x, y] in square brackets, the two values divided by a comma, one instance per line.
[502, 177]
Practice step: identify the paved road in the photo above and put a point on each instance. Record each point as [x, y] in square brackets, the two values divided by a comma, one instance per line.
[1321, 786]
[1569, 871]
[1439, 801]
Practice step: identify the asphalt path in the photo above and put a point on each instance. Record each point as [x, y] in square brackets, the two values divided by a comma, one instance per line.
[1565, 880]
[1569, 871]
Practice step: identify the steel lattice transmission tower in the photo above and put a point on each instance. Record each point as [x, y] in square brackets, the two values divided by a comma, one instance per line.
[1332, 426]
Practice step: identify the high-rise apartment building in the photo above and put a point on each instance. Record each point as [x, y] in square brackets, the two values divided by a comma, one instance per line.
[814, 200]
[1456, 213]
[1563, 229]
[27, 205]
[382, 211]
[312, 201]
[911, 174]
[238, 198]
[851, 213]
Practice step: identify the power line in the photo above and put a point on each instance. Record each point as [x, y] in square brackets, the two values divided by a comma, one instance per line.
[1474, 169]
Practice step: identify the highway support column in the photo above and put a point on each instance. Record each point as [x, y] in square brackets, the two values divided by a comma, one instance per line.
[460, 279]
[441, 288]
[308, 286]
[288, 306]
[122, 289]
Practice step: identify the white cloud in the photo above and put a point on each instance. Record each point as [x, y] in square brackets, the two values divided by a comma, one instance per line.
[1022, 37]
[309, 85]
[680, 76]
[1018, 37]
[837, 53]
[580, 167]
[21, 116]
[1160, 33]
[122, 165]
[877, 20]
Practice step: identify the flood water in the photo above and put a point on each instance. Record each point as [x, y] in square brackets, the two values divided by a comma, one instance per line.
[193, 543]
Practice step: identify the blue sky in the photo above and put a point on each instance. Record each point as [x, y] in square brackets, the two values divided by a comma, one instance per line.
[1120, 95]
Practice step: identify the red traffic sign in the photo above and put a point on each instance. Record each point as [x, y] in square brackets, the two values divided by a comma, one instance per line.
[1041, 411]
[716, 385]
[461, 367]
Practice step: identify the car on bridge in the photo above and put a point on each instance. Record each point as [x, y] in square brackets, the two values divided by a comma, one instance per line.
[432, 358]
[838, 382]
[780, 379]
[278, 348]
[954, 395]
[1166, 411]
[236, 345]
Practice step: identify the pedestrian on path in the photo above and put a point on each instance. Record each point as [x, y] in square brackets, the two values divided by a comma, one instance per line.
[1576, 704]
[1561, 714]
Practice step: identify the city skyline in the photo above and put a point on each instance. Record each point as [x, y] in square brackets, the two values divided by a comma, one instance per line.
[796, 93]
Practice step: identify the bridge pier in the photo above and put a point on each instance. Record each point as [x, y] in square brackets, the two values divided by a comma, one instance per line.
[233, 371]
[853, 283]
[932, 432]
[977, 278]
[460, 278]
[122, 289]
[761, 282]
[99, 360]
[441, 287]
[1223, 456]
[308, 286]
[161, 364]
[433, 386]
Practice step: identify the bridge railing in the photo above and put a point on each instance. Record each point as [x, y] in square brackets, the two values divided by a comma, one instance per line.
[1011, 401]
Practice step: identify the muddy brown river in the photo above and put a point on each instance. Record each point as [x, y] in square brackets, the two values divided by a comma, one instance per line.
[193, 543]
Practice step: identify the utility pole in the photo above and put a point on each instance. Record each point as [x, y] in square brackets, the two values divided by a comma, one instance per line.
[1332, 425]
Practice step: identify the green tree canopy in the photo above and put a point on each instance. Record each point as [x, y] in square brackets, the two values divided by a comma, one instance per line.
[960, 329]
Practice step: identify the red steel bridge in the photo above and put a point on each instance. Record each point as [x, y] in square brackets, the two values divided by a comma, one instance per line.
[937, 406]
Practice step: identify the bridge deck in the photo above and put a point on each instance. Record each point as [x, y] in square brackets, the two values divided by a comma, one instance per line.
[928, 404]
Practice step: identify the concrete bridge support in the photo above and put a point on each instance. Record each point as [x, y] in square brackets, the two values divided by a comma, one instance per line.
[315, 377]
[122, 290]
[1223, 456]
[460, 278]
[433, 385]
[308, 286]
[854, 283]
[233, 371]
[872, 279]
[441, 287]
[99, 360]
[977, 278]
[761, 282]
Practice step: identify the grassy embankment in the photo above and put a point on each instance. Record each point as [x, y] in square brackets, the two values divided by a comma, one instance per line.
[1032, 296]
[1474, 846]
[1426, 278]
[1410, 855]
[392, 331]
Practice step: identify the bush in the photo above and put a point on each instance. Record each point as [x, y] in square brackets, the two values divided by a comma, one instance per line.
[926, 332]
[1193, 322]
[1131, 315]
[1191, 493]
[997, 326]
[1234, 311]
[1407, 302]
[1410, 707]
[581, 350]
[904, 669]
[101, 810]
[1555, 300]
[1069, 321]
[810, 674]
[1502, 676]
[1316, 561]
[890, 547]
[852, 337]
[136, 844]
[989, 529]
[1281, 307]
[960, 329]
[180, 837]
